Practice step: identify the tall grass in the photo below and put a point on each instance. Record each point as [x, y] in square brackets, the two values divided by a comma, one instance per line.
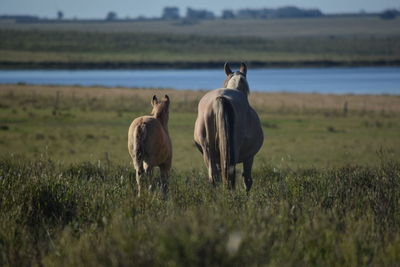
[326, 184]
[87, 215]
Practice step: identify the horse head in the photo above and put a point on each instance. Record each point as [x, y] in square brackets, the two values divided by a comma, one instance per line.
[236, 80]
[160, 108]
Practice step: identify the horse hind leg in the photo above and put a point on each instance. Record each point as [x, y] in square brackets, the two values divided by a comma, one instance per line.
[211, 164]
[247, 179]
[231, 177]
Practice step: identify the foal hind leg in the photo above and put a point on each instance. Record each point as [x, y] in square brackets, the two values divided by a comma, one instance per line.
[164, 173]
[148, 169]
[247, 165]
[139, 178]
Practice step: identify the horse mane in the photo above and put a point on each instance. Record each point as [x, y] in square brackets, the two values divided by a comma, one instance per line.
[241, 84]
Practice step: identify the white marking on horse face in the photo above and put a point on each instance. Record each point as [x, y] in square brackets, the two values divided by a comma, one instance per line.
[233, 82]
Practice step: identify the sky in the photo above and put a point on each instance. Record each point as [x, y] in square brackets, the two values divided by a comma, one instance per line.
[153, 8]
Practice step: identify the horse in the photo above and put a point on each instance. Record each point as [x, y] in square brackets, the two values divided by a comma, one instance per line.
[149, 144]
[228, 130]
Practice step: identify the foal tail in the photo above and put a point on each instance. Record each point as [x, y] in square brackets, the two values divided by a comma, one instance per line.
[139, 134]
[224, 122]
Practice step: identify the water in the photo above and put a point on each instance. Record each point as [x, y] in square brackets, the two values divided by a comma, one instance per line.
[365, 80]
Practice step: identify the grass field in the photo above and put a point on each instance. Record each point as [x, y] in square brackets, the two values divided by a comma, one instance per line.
[279, 42]
[368, 26]
[69, 123]
[326, 183]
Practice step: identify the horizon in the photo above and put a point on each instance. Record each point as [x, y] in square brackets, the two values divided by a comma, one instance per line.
[153, 9]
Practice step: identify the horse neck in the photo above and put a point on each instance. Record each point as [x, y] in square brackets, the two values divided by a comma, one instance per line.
[163, 119]
[245, 92]
[240, 86]
[244, 88]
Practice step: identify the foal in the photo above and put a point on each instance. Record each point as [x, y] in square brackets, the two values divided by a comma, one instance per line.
[149, 143]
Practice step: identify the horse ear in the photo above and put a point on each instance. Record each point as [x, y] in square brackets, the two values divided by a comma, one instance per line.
[243, 68]
[166, 97]
[227, 69]
[154, 100]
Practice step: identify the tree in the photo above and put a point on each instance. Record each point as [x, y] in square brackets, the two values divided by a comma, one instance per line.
[111, 15]
[60, 15]
[199, 14]
[170, 13]
[228, 14]
[389, 14]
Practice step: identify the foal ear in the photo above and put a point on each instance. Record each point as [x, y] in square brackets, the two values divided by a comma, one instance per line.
[227, 69]
[154, 100]
[243, 68]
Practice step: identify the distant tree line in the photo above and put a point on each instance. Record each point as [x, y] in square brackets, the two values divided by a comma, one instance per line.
[20, 17]
[390, 14]
[269, 13]
[172, 13]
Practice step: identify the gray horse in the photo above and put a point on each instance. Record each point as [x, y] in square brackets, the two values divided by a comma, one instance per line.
[228, 130]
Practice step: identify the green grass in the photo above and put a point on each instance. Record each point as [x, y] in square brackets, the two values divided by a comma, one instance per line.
[87, 215]
[90, 124]
[291, 140]
[326, 184]
[368, 26]
[325, 41]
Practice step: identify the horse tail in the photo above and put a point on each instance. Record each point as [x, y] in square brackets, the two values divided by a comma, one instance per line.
[139, 135]
[224, 122]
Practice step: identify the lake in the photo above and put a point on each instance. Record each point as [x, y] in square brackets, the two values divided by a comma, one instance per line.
[363, 80]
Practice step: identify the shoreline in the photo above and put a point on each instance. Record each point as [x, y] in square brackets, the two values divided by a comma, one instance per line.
[167, 89]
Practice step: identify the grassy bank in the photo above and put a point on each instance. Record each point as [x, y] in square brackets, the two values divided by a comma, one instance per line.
[306, 42]
[326, 183]
[74, 124]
